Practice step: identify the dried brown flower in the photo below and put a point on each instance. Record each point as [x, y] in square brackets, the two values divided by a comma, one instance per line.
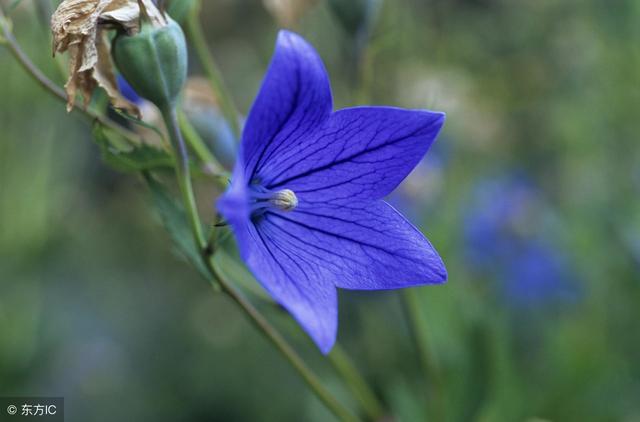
[80, 27]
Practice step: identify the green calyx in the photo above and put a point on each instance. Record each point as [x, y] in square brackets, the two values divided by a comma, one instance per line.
[153, 61]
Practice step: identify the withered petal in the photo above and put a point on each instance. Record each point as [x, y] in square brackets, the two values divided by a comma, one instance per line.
[77, 29]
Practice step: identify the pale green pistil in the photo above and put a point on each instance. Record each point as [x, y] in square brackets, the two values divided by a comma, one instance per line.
[263, 199]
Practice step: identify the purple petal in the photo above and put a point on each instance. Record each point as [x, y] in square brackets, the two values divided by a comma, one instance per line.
[360, 152]
[357, 244]
[295, 97]
[296, 282]
[234, 206]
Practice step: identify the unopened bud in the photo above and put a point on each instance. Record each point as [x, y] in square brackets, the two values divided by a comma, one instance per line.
[153, 61]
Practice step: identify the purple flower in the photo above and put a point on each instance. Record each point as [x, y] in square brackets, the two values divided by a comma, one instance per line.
[305, 198]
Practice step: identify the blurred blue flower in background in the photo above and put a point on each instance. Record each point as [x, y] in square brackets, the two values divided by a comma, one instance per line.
[505, 229]
[537, 273]
[494, 218]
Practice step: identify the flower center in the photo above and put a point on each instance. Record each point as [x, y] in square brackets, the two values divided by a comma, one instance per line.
[263, 199]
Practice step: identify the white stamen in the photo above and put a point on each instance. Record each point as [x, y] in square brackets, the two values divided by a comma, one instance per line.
[284, 199]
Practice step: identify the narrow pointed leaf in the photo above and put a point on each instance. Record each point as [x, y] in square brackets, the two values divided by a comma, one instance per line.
[174, 219]
[121, 156]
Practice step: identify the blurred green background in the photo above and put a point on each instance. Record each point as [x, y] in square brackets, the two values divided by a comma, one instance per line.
[530, 195]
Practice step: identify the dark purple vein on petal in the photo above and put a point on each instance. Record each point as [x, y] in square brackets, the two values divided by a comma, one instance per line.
[345, 160]
[292, 110]
[274, 242]
[285, 161]
[284, 271]
[339, 135]
[343, 220]
[281, 246]
[286, 140]
[334, 185]
[314, 152]
[316, 246]
[346, 238]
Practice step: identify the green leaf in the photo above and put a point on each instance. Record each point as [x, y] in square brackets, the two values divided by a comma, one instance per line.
[174, 219]
[121, 155]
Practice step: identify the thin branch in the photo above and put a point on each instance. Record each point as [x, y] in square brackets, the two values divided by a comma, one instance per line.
[26, 63]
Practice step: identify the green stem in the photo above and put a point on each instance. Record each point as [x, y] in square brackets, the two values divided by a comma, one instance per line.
[339, 359]
[182, 173]
[420, 333]
[312, 380]
[359, 387]
[194, 140]
[199, 43]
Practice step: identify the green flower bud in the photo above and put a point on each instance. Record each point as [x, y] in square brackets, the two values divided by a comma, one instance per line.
[153, 61]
